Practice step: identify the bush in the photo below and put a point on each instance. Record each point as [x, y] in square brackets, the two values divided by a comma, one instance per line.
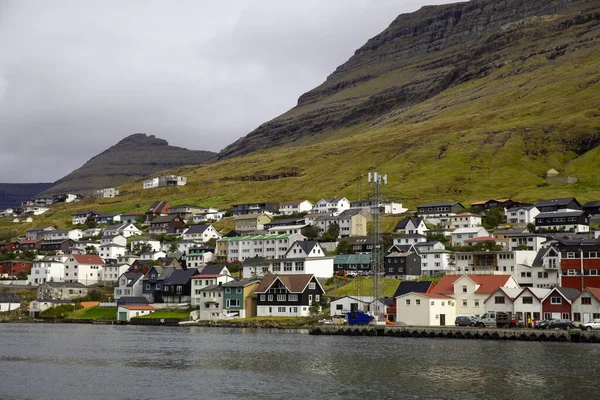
[59, 312]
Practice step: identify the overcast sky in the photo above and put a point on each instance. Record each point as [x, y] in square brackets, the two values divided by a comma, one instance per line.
[78, 76]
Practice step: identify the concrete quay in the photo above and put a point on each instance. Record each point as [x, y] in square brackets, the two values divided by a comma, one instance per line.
[573, 335]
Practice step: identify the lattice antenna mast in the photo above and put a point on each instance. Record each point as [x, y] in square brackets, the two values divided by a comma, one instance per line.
[377, 181]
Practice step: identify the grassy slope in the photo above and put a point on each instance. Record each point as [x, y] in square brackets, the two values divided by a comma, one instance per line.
[493, 136]
[96, 313]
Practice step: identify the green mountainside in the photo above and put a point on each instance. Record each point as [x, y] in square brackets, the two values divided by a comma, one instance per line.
[465, 102]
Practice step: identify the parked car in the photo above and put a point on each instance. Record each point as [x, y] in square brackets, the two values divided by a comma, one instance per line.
[561, 324]
[593, 324]
[543, 324]
[465, 320]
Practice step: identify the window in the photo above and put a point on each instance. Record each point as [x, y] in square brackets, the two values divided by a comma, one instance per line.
[527, 300]
[281, 297]
[148, 286]
[499, 300]
[270, 297]
[576, 316]
[232, 303]
[312, 285]
[339, 307]
[556, 300]
[464, 289]
[262, 297]
[418, 302]
[464, 303]
[292, 297]
[476, 303]
[317, 298]
[566, 315]
[227, 290]
[407, 302]
[586, 300]
[547, 315]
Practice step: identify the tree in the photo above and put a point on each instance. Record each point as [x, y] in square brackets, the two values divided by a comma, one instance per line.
[311, 232]
[439, 237]
[140, 247]
[22, 275]
[333, 232]
[91, 250]
[173, 248]
[90, 223]
[344, 247]
[531, 227]
[28, 255]
[494, 217]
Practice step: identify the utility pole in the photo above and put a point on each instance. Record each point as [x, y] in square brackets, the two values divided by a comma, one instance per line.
[377, 180]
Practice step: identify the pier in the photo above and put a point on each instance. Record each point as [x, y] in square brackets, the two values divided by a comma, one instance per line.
[573, 335]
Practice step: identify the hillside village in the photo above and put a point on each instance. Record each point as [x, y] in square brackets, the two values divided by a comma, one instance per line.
[538, 260]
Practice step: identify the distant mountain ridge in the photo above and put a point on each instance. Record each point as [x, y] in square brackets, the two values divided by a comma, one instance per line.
[417, 57]
[12, 194]
[136, 156]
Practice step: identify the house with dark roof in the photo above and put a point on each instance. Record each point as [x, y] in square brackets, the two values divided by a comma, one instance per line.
[352, 264]
[555, 205]
[132, 301]
[9, 301]
[239, 299]
[521, 215]
[361, 244]
[438, 213]
[202, 232]
[592, 208]
[411, 225]
[254, 208]
[185, 211]
[288, 295]
[177, 287]
[402, 265]
[160, 225]
[125, 229]
[153, 282]
[405, 287]
[567, 221]
[489, 204]
[557, 303]
[84, 216]
[129, 284]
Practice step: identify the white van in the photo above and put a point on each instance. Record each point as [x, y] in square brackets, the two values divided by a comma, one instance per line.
[487, 319]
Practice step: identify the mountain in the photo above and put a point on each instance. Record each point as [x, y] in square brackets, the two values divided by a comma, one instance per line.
[137, 156]
[424, 54]
[12, 194]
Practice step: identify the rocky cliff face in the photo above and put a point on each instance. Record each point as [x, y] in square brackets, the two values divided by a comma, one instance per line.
[419, 56]
[136, 156]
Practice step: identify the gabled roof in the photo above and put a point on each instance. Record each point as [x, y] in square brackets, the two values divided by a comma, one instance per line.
[158, 207]
[487, 283]
[307, 245]
[133, 277]
[295, 283]
[252, 261]
[590, 204]
[429, 295]
[474, 229]
[511, 293]
[9, 297]
[292, 203]
[240, 283]
[180, 276]
[197, 228]
[594, 292]
[556, 202]
[87, 259]
[568, 294]
[212, 269]
[117, 227]
[538, 293]
[522, 207]
[413, 286]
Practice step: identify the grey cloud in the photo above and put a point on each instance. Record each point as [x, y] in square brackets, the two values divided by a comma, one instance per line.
[78, 76]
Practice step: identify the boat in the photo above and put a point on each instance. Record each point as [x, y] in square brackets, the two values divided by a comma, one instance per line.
[359, 318]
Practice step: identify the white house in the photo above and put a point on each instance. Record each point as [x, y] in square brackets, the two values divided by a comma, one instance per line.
[528, 304]
[125, 229]
[85, 269]
[164, 181]
[51, 269]
[502, 299]
[522, 215]
[463, 220]
[461, 234]
[344, 305]
[586, 306]
[425, 309]
[409, 226]
[199, 260]
[268, 246]
[129, 284]
[410, 239]
[117, 239]
[38, 233]
[202, 232]
[64, 234]
[333, 206]
[526, 241]
[106, 192]
[112, 272]
[210, 276]
[211, 214]
[91, 232]
[125, 313]
[381, 206]
[295, 207]
[153, 255]
[471, 291]
[35, 210]
[111, 251]
[153, 243]
[436, 262]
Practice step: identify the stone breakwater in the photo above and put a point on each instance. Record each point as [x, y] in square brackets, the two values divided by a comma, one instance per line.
[573, 335]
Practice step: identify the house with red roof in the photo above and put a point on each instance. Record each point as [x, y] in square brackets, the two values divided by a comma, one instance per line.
[126, 312]
[471, 291]
[586, 306]
[209, 276]
[84, 268]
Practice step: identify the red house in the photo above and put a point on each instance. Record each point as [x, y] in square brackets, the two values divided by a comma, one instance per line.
[11, 268]
[571, 271]
[10, 246]
[557, 303]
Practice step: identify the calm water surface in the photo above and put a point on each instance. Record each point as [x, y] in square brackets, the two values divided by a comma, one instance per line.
[64, 361]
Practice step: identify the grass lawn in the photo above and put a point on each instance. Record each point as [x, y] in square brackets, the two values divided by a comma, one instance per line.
[181, 314]
[363, 286]
[96, 313]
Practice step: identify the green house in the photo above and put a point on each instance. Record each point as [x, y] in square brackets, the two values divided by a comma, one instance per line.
[238, 298]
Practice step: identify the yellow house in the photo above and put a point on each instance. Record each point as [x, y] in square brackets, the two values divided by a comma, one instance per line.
[251, 222]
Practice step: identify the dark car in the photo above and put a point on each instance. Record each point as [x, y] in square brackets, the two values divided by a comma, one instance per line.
[543, 324]
[561, 324]
[465, 320]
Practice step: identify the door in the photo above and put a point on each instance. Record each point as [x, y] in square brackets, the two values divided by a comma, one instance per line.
[442, 319]
[586, 317]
